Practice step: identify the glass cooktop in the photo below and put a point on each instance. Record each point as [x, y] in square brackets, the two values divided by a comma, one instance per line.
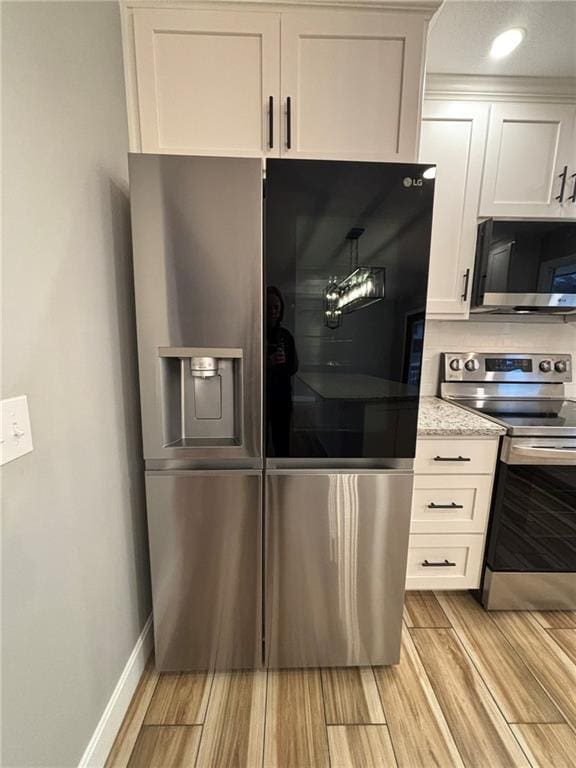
[527, 417]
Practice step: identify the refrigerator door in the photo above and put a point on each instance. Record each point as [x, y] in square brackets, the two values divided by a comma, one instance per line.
[336, 546]
[205, 551]
[346, 265]
[197, 234]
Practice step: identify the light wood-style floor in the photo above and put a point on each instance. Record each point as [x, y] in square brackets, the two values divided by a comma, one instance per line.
[473, 689]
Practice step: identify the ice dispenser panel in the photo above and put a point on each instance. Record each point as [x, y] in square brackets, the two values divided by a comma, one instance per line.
[201, 396]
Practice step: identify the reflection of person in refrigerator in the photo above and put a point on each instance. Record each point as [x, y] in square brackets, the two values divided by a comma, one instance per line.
[281, 364]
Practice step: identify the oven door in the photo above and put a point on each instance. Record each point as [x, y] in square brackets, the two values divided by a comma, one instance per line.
[533, 523]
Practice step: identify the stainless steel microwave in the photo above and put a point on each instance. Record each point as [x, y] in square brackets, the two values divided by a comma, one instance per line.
[525, 266]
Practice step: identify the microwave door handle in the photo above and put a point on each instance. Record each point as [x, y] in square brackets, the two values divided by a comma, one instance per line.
[551, 453]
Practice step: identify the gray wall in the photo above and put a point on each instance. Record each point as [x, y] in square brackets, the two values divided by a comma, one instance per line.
[74, 553]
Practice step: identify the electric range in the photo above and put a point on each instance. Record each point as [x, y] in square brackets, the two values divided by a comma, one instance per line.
[530, 558]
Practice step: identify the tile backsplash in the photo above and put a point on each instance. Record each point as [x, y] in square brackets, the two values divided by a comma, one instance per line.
[492, 336]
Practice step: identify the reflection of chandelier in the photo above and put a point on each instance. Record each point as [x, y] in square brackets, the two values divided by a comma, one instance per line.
[362, 287]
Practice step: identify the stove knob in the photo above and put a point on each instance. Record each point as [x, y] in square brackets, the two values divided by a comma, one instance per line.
[545, 366]
[456, 364]
[472, 365]
[560, 366]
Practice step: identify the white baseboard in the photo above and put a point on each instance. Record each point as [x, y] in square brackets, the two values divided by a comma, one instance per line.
[103, 737]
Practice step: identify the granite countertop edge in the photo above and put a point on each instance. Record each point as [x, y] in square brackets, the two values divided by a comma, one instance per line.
[439, 418]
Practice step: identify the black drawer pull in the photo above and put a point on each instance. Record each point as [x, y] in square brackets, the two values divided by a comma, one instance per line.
[573, 195]
[288, 122]
[452, 505]
[444, 564]
[451, 458]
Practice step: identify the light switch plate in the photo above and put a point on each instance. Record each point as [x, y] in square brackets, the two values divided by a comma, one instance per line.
[15, 430]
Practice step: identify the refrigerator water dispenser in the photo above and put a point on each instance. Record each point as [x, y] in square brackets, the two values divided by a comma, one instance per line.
[201, 396]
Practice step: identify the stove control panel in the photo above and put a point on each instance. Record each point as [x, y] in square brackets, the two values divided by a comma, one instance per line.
[506, 367]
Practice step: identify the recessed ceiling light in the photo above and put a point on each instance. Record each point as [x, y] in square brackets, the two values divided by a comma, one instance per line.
[504, 44]
[429, 173]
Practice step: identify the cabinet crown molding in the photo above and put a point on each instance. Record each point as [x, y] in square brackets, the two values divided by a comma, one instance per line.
[429, 7]
[500, 88]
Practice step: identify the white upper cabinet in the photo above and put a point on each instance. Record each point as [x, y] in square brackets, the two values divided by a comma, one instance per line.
[529, 147]
[351, 84]
[330, 83]
[206, 81]
[453, 137]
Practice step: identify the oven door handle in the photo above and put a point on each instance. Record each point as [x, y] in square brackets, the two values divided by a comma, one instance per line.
[540, 451]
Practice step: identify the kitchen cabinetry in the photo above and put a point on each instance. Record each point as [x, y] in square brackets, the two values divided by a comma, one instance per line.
[330, 83]
[453, 138]
[528, 152]
[208, 81]
[450, 509]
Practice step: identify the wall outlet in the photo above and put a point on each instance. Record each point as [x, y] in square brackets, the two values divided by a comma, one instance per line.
[15, 431]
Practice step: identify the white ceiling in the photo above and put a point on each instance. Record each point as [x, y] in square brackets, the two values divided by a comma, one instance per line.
[463, 30]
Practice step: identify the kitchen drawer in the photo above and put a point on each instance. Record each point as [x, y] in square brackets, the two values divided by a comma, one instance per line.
[456, 456]
[463, 550]
[450, 503]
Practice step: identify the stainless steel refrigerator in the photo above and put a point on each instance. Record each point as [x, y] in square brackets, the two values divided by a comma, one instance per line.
[279, 406]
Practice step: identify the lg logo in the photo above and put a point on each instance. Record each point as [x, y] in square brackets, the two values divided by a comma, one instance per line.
[408, 182]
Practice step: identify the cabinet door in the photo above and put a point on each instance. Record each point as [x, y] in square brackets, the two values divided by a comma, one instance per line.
[527, 149]
[353, 84]
[205, 80]
[335, 566]
[205, 557]
[453, 138]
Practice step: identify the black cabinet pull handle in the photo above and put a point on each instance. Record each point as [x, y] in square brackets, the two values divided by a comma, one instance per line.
[444, 564]
[271, 122]
[572, 197]
[562, 176]
[451, 458]
[452, 505]
[466, 281]
[288, 122]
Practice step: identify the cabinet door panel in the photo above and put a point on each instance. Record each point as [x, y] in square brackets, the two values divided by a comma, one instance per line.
[453, 138]
[528, 147]
[204, 81]
[355, 82]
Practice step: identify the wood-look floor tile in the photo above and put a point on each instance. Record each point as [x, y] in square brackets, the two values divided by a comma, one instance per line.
[130, 728]
[360, 746]
[351, 696]
[166, 746]
[422, 609]
[547, 745]
[517, 692]
[233, 733]
[481, 734]
[556, 619]
[417, 725]
[295, 729]
[180, 699]
[555, 671]
[566, 639]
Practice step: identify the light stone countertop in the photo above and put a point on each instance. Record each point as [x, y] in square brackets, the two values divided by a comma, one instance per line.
[438, 417]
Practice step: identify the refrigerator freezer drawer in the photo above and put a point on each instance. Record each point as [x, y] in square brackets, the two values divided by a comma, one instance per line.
[335, 567]
[205, 550]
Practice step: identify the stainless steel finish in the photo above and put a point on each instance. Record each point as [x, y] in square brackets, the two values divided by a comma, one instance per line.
[545, 366]
[560, 366]
[187, 352]
[511, 591]
[176, 465]
[555, 451]
[560, 302]
[197, 234]
[205, 551]
[474, 367]
[339, 465]
[335, 567]
[470, 391]
[203, 367]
